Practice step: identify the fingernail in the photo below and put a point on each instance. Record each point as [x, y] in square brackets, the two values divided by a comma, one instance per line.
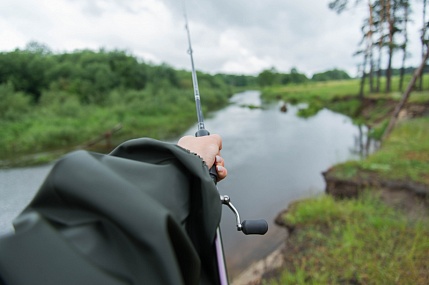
[219, 168]
[218, 158]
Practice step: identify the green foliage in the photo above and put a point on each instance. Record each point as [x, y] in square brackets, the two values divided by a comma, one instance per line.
[360, 241]
[268, 77]
[271, 77]
[311, 109]
[322, 209]
[309, 91]
[334, 74]
[349, 107]
[319, 95]
[406, 152]
[296, 77]
[61, 120]
[25, 70]
[378, 131]
[54, 101]
[13, 105]
[338, 5]
[404, 156]
[87, 73]
[238, 80]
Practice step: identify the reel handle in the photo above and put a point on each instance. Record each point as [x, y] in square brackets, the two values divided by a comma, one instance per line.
[254, 227]
[212, 171]
[248, 227]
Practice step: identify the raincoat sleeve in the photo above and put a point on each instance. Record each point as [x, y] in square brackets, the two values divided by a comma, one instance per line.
[145, 214]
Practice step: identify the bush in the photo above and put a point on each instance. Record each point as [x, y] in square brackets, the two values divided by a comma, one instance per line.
[13, 105]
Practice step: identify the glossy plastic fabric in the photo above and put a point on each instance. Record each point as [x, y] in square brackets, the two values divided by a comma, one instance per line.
[145, 214]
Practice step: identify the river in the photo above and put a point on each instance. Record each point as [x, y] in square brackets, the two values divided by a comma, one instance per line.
[273, 158]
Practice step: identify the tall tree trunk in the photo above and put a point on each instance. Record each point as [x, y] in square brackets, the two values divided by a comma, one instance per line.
[424, 28]
[405, 96]
[378, 83]
[362, 81]
[404, 46]
[380, 25]
[371, 72]
[390, 20]
[380, 55]
[371, 46]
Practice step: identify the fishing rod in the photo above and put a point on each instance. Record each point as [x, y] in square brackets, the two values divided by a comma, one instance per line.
[248, 227]
[201, 128]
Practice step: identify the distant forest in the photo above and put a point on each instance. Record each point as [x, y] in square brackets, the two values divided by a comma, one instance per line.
[57, 101]
[37, 74]
[92, 75]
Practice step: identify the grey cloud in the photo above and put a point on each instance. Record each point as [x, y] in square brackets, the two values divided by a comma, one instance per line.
[97, 8]
[270, 29]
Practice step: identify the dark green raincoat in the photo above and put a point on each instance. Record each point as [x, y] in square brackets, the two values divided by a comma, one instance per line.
[145, 214]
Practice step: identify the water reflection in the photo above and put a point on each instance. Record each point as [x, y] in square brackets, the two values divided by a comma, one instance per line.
[364, 144]
[17, 188]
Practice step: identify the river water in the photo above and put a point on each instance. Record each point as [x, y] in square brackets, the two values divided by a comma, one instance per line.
[273, 158]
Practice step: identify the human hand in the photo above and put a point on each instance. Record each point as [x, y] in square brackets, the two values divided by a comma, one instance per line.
[208, 148]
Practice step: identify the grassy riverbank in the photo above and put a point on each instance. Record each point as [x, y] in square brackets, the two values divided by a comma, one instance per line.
[403, 157]
[52, 103]
[60, 122]
[341, 97]
[380, 236]
[358, 241]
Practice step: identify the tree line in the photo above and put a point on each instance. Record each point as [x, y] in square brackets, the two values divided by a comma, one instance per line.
[92, 74]
[270, 77]
[385, 32]
[54, 100]
[35, 74]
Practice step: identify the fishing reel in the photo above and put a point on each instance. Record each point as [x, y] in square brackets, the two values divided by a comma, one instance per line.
[248, 227]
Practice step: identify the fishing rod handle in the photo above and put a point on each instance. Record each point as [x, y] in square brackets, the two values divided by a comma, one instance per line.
[212, 171]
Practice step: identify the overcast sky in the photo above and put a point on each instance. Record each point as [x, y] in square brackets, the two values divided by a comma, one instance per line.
[229, 36]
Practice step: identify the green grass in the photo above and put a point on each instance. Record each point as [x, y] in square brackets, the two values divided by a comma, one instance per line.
[342, 97]
[358, 241]
[362, 240]
[310, 91]
[329, 90]
[319, 95]
[60, 122]
[404, 156]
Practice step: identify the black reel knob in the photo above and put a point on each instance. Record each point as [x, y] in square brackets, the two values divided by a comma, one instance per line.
[254, 227]
[248, 227]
